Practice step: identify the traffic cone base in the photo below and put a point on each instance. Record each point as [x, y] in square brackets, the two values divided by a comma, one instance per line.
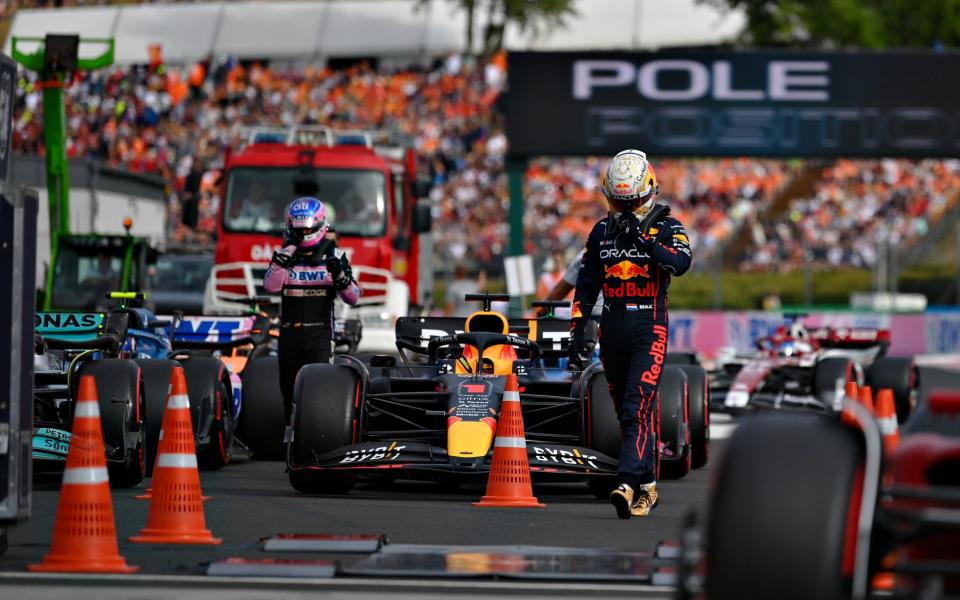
[85, 533]
[508, 484]
[508, 502]
[148, 495]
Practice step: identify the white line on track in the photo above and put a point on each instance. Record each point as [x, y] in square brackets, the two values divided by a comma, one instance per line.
[160, 587]
[721, 426]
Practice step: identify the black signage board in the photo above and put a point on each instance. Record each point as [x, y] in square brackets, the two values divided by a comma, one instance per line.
[770, 103]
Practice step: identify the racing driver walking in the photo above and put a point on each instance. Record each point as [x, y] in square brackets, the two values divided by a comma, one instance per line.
[309, 271]
[630, 257]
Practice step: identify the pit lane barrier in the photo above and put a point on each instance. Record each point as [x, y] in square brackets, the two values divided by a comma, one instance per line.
[85, 531]
[176, 513]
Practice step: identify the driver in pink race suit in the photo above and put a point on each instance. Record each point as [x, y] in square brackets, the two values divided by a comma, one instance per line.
[309, 272]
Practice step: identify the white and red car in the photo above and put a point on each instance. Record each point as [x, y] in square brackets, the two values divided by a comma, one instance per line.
[797, 367]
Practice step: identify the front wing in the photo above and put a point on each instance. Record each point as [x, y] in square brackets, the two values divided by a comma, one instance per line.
[415, 458]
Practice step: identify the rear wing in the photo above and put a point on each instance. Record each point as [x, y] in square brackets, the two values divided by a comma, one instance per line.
[81, 331]
[552, 335]
[210, 333]
[851, 337]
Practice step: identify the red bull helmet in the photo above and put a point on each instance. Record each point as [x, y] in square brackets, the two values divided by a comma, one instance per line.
[629, 183]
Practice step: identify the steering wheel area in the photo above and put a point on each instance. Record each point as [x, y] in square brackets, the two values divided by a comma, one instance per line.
[481, 340]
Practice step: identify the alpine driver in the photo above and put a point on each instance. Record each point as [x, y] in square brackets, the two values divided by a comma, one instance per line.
[630, 257]
[309, 272]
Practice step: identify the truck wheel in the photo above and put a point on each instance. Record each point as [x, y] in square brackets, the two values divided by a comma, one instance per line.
[829, 377]
[674, 431]
[698, 409]
[326, 399]
[786, 490]
[262, 421]
[120, 394]
[899, 375]
[156, 383]
[210, 398]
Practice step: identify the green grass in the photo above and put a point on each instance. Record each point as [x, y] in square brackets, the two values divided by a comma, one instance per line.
[746, 290]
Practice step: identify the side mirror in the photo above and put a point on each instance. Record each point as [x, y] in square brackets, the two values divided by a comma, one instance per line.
[305, 185]
[422, 187]
[422, 217]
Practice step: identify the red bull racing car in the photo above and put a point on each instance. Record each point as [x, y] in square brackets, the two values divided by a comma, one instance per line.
[434, 415]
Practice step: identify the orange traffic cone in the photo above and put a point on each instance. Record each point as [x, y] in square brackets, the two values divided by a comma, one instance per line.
[85, 533]
[866, 398]
[148, 493]
[852, 393]
[509, 482]
[176, 510]
[887, 420]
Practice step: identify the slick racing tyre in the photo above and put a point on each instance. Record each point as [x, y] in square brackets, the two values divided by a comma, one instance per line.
[326, 400]
[156, 383]
[680, 358]
[829, 378]
[262, 421]
[208, 385]
[786, 493]
[674, 430]
[120, 395]
[603, 431]
[698, 407]
[899, 375]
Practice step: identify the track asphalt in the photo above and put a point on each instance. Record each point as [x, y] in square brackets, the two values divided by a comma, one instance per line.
[252, 500]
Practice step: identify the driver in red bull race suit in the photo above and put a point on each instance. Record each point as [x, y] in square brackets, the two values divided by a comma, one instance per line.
[309, 271]
[630, 257]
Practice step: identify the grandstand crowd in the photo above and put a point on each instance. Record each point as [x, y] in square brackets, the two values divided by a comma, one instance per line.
[177, 123]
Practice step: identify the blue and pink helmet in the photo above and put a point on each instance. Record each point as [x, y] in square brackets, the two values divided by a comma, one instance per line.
[306, 221]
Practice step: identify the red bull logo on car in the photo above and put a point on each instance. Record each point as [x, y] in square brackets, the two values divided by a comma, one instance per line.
[627, 270]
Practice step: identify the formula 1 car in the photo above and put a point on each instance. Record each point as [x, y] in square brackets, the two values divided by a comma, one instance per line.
[128, 351]
[800, 368]
[812, 506]
[437, 420]
[247, 345]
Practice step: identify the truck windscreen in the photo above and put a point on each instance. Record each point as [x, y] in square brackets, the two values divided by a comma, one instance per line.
[356, 200]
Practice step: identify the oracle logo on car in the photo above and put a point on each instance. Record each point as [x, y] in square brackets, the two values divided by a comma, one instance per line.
[786, 80]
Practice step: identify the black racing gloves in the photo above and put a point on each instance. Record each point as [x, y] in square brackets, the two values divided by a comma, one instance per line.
[580, 351]
[283, 258]
[340, 271]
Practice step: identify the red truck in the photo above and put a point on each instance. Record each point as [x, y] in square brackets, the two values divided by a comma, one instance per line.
[374, 197]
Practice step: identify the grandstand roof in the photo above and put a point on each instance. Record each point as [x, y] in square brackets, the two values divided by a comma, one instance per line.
[352, 28]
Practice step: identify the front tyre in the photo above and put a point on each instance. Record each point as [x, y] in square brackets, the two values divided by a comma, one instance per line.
[698, 407]
[120, 398]
[210, 398]
[326, 407]
[787, 490]
[676, 460]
